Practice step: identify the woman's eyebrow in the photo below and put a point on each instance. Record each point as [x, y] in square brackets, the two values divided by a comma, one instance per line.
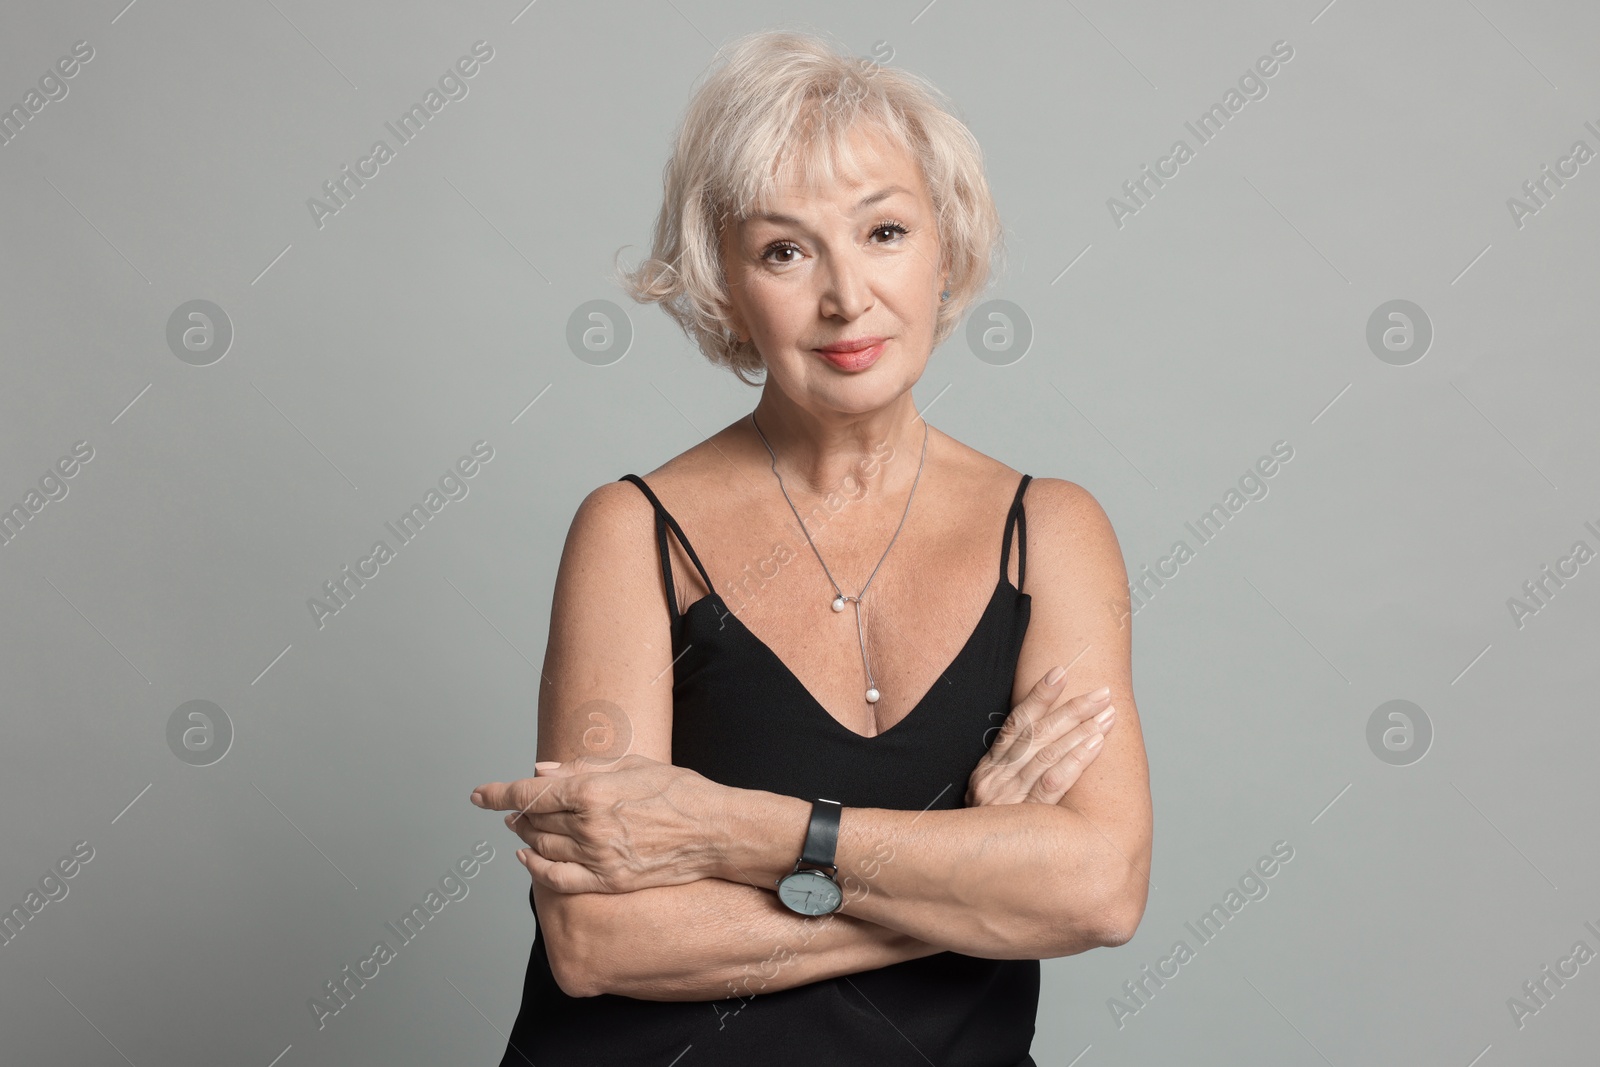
[865, 202]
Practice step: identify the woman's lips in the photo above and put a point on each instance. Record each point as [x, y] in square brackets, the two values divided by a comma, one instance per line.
[860, 359]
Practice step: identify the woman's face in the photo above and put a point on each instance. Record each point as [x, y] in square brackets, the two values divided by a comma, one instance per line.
[835, 264]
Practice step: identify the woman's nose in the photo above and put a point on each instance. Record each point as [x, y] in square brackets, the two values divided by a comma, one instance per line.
[846, 292]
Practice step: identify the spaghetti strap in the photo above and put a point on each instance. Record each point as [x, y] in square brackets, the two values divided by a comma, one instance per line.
[1019, 517]
[663, 520]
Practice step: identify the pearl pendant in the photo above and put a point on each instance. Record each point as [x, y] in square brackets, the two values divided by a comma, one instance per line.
[838, 603]
[872, 696]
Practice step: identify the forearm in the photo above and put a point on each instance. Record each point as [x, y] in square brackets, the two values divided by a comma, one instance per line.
[1007, 881]
[712, 939]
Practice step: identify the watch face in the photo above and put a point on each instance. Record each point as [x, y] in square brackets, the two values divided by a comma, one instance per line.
[810, 893]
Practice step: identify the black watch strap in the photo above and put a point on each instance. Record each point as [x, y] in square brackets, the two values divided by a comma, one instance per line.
[822, 835]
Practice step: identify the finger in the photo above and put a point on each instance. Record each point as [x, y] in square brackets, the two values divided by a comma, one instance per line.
[552, 846]
[557, 848]
[1057, 767]
[1081, 708]
[522, 830]
[560, 876]
[1046, 726]
[510, 796]
[534, 795]
[492, 795]
[1022, 717]
[489, 795]
[566, 823]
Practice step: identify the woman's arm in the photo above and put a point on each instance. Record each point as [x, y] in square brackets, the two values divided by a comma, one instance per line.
[707, 931]
[1012, 881]
[610, 648]
[709, 940]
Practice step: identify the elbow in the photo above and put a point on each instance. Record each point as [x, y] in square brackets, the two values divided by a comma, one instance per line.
[572, 977]
[1107, 918]
[573, 960]
[1121, 915]
[1119, 932]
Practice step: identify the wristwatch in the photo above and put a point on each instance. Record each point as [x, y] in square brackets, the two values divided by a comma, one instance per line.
[812, 890]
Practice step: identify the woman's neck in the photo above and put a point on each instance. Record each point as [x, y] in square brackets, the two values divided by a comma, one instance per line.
[816, 454]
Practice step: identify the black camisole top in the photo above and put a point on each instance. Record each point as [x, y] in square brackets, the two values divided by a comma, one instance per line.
[742, 718]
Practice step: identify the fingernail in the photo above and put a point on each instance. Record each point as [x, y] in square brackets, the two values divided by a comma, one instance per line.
[1101, 693]
[1105, 717]
[546, 765]
[477, 798]
[1055, 675]
[1094, 742]
[522, 855]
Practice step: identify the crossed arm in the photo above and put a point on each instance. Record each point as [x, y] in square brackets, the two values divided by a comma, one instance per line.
[1014, 881]
[1010, 881]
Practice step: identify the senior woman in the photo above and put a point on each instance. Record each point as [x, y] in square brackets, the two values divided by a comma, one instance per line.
[833, 807]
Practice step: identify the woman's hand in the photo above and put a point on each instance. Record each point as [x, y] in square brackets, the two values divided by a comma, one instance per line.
[611, 825]
[1040, 752]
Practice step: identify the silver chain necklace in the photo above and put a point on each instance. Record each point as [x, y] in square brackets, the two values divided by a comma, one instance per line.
[840, 599]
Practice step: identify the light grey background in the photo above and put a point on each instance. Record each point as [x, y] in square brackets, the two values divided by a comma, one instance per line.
[370, 354]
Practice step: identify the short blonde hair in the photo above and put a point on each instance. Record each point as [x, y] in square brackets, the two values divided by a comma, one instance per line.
[783, 88]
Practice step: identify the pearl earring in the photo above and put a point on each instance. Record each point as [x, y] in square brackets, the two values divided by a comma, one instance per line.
[945, 295]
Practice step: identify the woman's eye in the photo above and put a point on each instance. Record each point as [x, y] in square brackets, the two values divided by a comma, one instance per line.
[893, 229]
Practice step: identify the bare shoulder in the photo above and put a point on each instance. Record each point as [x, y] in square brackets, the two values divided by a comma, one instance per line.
[1076, 573]
[614, 524]
[1078, 584]
[1067, 527]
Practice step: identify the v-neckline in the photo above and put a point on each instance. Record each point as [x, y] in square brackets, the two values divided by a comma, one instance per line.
[806, 694]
